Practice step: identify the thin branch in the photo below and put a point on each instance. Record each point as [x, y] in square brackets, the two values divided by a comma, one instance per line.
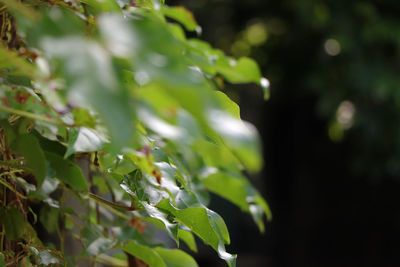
[33, 116]
[109, 203]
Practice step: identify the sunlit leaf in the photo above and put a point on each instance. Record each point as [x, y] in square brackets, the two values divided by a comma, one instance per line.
[103, 5]
[188, 238]
[175, 257]
[146, 254]
[239, 191]
[181, 15]
[207, 225]
[244, 70]
[84, 140]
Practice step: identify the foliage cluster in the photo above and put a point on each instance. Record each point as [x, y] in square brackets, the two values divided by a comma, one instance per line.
[113, 124]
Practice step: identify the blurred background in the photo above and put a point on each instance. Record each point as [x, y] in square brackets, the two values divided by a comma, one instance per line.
[331, 129]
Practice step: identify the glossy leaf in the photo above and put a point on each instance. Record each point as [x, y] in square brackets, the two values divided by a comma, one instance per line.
[84, 140]
[206, 225]
[117, 78]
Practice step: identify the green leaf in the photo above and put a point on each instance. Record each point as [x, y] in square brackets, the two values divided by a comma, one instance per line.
[227, 104]
[188, 238]
[205, 224]
[49, 218]
[100, 6]
[146, 254]
[2, 260]
[155, 214]
[13, 221]
[84, 140]
[67, 172]
[219, 226]
[15, 64]
[229, 186]
[175, 257]
[240, 137]
[196, 220]
[19, 8]
[183, 16]
[237, 189]
[95, 82]
[91, 232]
[28, 146]
[82, 117]
[245, 70]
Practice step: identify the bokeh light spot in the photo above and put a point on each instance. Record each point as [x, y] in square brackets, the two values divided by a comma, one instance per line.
[332, 47]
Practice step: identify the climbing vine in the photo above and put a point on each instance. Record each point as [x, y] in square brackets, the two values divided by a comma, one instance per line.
[114, 127]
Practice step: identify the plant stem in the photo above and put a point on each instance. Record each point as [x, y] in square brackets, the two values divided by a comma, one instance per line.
[12, 189]
[31, 116]
[109, 203]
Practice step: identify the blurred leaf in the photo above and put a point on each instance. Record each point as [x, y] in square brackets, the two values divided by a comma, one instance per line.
[48, 186]
[84, 140]
[49, 218]
[68, 172]
[46, 257]
[242, 138]
[11, 63]
[82, 117]
[13, 221]
[28, 146]
[2, 260]
[245, 70]
[100, 6]
[100, 245]
[228, 104]
[20, 8]
[181, 15]
[90, 75]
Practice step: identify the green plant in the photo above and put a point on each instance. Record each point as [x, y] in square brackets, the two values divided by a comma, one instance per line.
[111, 121]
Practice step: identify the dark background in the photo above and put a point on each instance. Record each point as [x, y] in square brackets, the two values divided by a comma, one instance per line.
[334, 189]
